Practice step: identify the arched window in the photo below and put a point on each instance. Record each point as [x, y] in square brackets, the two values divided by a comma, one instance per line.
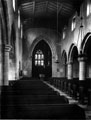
[39, 58]
[13, 4]
[73, 26]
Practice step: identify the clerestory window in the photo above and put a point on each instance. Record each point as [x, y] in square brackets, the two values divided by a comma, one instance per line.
[73, 26]
[13, 4]
[88, 7]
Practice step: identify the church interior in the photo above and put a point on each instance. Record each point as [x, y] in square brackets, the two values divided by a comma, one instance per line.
[45, 60]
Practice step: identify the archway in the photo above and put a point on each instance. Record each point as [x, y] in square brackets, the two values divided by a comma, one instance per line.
[64, 62]
[87, 52]
[42, 60]
[74, 57]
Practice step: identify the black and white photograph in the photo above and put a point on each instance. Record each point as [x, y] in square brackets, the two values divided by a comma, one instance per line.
[45, 59]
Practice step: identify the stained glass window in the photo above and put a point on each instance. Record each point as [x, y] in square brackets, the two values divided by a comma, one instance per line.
[39, 58]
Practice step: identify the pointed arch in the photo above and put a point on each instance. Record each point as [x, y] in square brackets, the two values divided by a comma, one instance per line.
[42, 60]
[70, 52]
[73, 58]
[48, 41]
[86, 50]
[85, 42]
[64, 63]
[64, 56]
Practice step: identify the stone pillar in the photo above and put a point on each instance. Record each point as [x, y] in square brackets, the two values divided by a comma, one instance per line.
[82, 78]
[7, 49]
[82, 68]
[65, 68]
[70, 70]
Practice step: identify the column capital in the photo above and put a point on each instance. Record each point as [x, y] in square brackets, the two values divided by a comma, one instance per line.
[70, 62]
[82, 57]
[7, 48]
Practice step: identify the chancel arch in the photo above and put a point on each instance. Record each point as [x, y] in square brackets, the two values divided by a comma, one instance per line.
[52, 47]
[42, 60]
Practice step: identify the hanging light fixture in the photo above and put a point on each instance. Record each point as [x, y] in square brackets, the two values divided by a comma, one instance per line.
[57, 32]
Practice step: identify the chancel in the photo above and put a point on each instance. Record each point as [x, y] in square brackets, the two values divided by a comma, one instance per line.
[45, 60]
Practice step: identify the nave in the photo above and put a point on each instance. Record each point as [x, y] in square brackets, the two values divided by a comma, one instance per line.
[49, 39]
[30, 98]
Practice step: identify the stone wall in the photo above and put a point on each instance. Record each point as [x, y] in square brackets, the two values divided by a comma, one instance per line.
[33, 36]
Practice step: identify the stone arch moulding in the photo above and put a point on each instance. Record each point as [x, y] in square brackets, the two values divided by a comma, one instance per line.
[3, 26]
[64, 55]
[49, 42]
[64, 63]
[52, 48]
[70, 52]
[13, 31]
[85, 40]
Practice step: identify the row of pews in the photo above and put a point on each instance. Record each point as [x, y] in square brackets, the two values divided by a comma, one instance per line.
[79, 90]
[30, 98]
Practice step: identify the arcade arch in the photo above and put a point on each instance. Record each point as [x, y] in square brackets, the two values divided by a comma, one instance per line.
[86, 50]
[64, 63]
[73, 64]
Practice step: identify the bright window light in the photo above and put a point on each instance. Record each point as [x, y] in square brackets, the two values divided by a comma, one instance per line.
[14, 5]
[63, 34]
[73, 24]
[19, 19]
[88, 9]
[36, 62]
[42, 63]
[39, 58]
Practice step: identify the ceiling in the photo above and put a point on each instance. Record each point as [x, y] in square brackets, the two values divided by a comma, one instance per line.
[53, 14]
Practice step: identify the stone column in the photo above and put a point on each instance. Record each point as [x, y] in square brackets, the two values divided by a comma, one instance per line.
[82, 78]
[65, 70]
[70, 70]
[82, 68]
[7, 49]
